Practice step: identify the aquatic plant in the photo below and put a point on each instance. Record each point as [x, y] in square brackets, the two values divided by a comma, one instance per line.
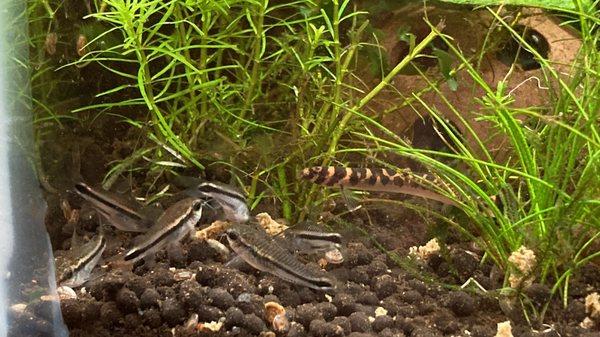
[544, 195]
[261, 90]
[248, 86]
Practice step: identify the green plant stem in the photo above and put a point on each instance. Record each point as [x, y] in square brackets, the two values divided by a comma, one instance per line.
[341, 127]
[257, 49]
[49, 9]
[285, 201]
[206, 16]
[339, 71]
[161, 126]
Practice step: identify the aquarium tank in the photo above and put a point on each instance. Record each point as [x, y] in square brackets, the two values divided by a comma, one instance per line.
[30, 304]
[300, 168]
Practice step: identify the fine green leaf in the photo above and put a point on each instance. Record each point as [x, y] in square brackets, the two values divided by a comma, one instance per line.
[550, 4]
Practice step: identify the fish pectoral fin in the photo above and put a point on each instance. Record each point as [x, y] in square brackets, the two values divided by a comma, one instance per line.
[95, 275]
[149, 260]
[237, 262]
[351, 202]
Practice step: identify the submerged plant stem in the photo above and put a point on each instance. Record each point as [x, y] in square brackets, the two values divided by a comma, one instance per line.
[341, 128]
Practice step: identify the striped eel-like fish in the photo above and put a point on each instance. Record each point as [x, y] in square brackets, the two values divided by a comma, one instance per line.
[378, 180]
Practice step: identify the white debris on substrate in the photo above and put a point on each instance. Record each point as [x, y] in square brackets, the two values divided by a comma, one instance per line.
[62, 293]
[182, 274]
[592, 309]
[524, 260]
[275, 315]
[65, 293]
[423, 253]
[210, 326]
[214, 230]
[380, 311]
[333, 256]
[504, 330]
[192, 325]
[271, 226]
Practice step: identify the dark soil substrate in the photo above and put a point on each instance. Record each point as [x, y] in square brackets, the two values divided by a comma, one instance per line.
[193, 280]
[158, 302]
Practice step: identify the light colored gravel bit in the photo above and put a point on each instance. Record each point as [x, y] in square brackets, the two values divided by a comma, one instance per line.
[334, 256]
[211, 326]
[423, 253]
[276, 316]
[592, 306]
[18, 308]
[504, 330]
[267, 334]
[587, 323]
[65, 293]
[50, 298]
[272, 309]
[271, 226]
[380, 311]
[182, 275]
[281, 323]
[215, 229]
[524, 260]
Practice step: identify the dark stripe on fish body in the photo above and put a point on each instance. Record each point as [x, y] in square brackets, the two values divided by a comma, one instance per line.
[87, 192]
[385, 177]
[210, 188]
[331, 237]
[321, 175]
[398, 180]
[354, 176]
[339, 173]
[82, 264]
[373, 177]
[389, 173]
[141, 250]
[308, 173]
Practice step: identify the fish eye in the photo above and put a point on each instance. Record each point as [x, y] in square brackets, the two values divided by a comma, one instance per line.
[232, 235]
[66, 275]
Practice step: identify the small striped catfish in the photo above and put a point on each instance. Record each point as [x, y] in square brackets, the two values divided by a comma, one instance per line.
[170, 228]
[120, 214]
[316, 242]
[260, 251]
[232, 201]
[313, 242]
[376, 179]
[75, 268]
